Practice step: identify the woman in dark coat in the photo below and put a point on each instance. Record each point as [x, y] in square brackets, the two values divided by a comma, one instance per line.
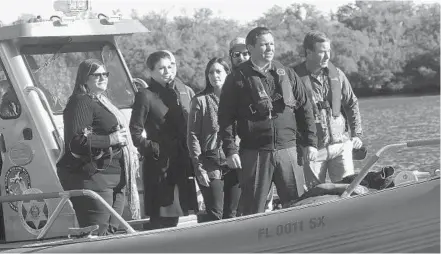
[162, 111]
[99, 152]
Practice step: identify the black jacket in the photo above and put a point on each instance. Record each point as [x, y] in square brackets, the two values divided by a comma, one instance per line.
[261, 132]
[162, 113]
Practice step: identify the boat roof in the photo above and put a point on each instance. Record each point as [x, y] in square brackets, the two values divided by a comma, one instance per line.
[84, 27]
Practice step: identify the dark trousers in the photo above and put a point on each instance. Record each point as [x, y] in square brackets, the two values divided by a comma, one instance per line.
[259, 169]
[221, 197]
[91, 212]
[232, 193]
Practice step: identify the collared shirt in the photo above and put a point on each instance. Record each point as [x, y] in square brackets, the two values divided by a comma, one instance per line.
[320, 85]
[263, 69]
[320, 92]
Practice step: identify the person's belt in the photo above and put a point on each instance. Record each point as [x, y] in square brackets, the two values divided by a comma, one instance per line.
[343, 140]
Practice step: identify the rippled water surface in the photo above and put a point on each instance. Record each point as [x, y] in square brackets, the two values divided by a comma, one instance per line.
[389, 120]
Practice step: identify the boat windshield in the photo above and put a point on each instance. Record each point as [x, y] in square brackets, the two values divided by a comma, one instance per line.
[54, 66]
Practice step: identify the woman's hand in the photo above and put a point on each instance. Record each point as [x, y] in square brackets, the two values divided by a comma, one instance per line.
[119, 137]
[154, 147]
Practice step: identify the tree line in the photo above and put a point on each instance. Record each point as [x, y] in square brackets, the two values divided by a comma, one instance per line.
[385, 47]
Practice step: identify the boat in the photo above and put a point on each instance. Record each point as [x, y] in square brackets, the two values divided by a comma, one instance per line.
[38, 63]
[403, 218]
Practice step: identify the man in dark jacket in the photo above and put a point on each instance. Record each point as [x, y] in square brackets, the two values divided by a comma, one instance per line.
[270, 107]
[238, 52]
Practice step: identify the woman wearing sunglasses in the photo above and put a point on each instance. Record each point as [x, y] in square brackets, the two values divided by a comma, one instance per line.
[99, 152]
[218, 184]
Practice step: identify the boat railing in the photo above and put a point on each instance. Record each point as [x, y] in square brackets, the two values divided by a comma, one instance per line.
[140, 83]
[65, 195]
[372, 160]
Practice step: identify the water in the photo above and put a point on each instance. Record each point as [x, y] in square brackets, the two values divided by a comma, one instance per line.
[389, 120]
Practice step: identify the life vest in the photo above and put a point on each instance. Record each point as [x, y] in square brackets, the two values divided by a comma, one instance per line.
[336, 123]
[262, 103]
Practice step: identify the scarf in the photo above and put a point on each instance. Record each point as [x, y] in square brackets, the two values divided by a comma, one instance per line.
[212, 109]
[131, 160]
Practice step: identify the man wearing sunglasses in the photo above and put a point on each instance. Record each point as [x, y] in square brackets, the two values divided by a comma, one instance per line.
[238, 52]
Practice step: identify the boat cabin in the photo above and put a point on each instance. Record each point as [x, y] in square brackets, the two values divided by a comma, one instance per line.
[38, 67]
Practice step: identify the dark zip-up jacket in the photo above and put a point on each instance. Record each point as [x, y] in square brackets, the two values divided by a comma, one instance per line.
[262, 132]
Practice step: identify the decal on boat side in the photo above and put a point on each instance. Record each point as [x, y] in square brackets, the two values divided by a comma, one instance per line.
[291, 228]
[21, 154]
[17, 180]
[33, 214]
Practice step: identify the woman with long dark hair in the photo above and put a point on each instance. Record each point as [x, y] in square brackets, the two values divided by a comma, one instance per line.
[99, 152]
[218, 184]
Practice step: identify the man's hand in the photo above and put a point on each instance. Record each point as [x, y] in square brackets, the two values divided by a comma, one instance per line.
[356, 143]
[203, 178]
[310, 153]
[233, 161]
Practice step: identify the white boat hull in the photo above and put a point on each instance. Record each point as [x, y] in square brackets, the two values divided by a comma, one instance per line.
[401, 219]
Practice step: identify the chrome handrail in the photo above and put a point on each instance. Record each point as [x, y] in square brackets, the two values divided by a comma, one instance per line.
[64, 195]
[365, 170]
[47, 107]
[139, 81]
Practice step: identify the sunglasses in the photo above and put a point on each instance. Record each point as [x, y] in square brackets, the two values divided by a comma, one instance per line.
[100, 75]
[237, 54]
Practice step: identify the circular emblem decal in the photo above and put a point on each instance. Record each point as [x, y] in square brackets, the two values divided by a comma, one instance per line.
[21, 154]
[281, 72]
[33, 214]
[17, 180]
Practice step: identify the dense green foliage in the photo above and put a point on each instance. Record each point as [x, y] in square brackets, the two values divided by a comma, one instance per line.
[383, 47]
